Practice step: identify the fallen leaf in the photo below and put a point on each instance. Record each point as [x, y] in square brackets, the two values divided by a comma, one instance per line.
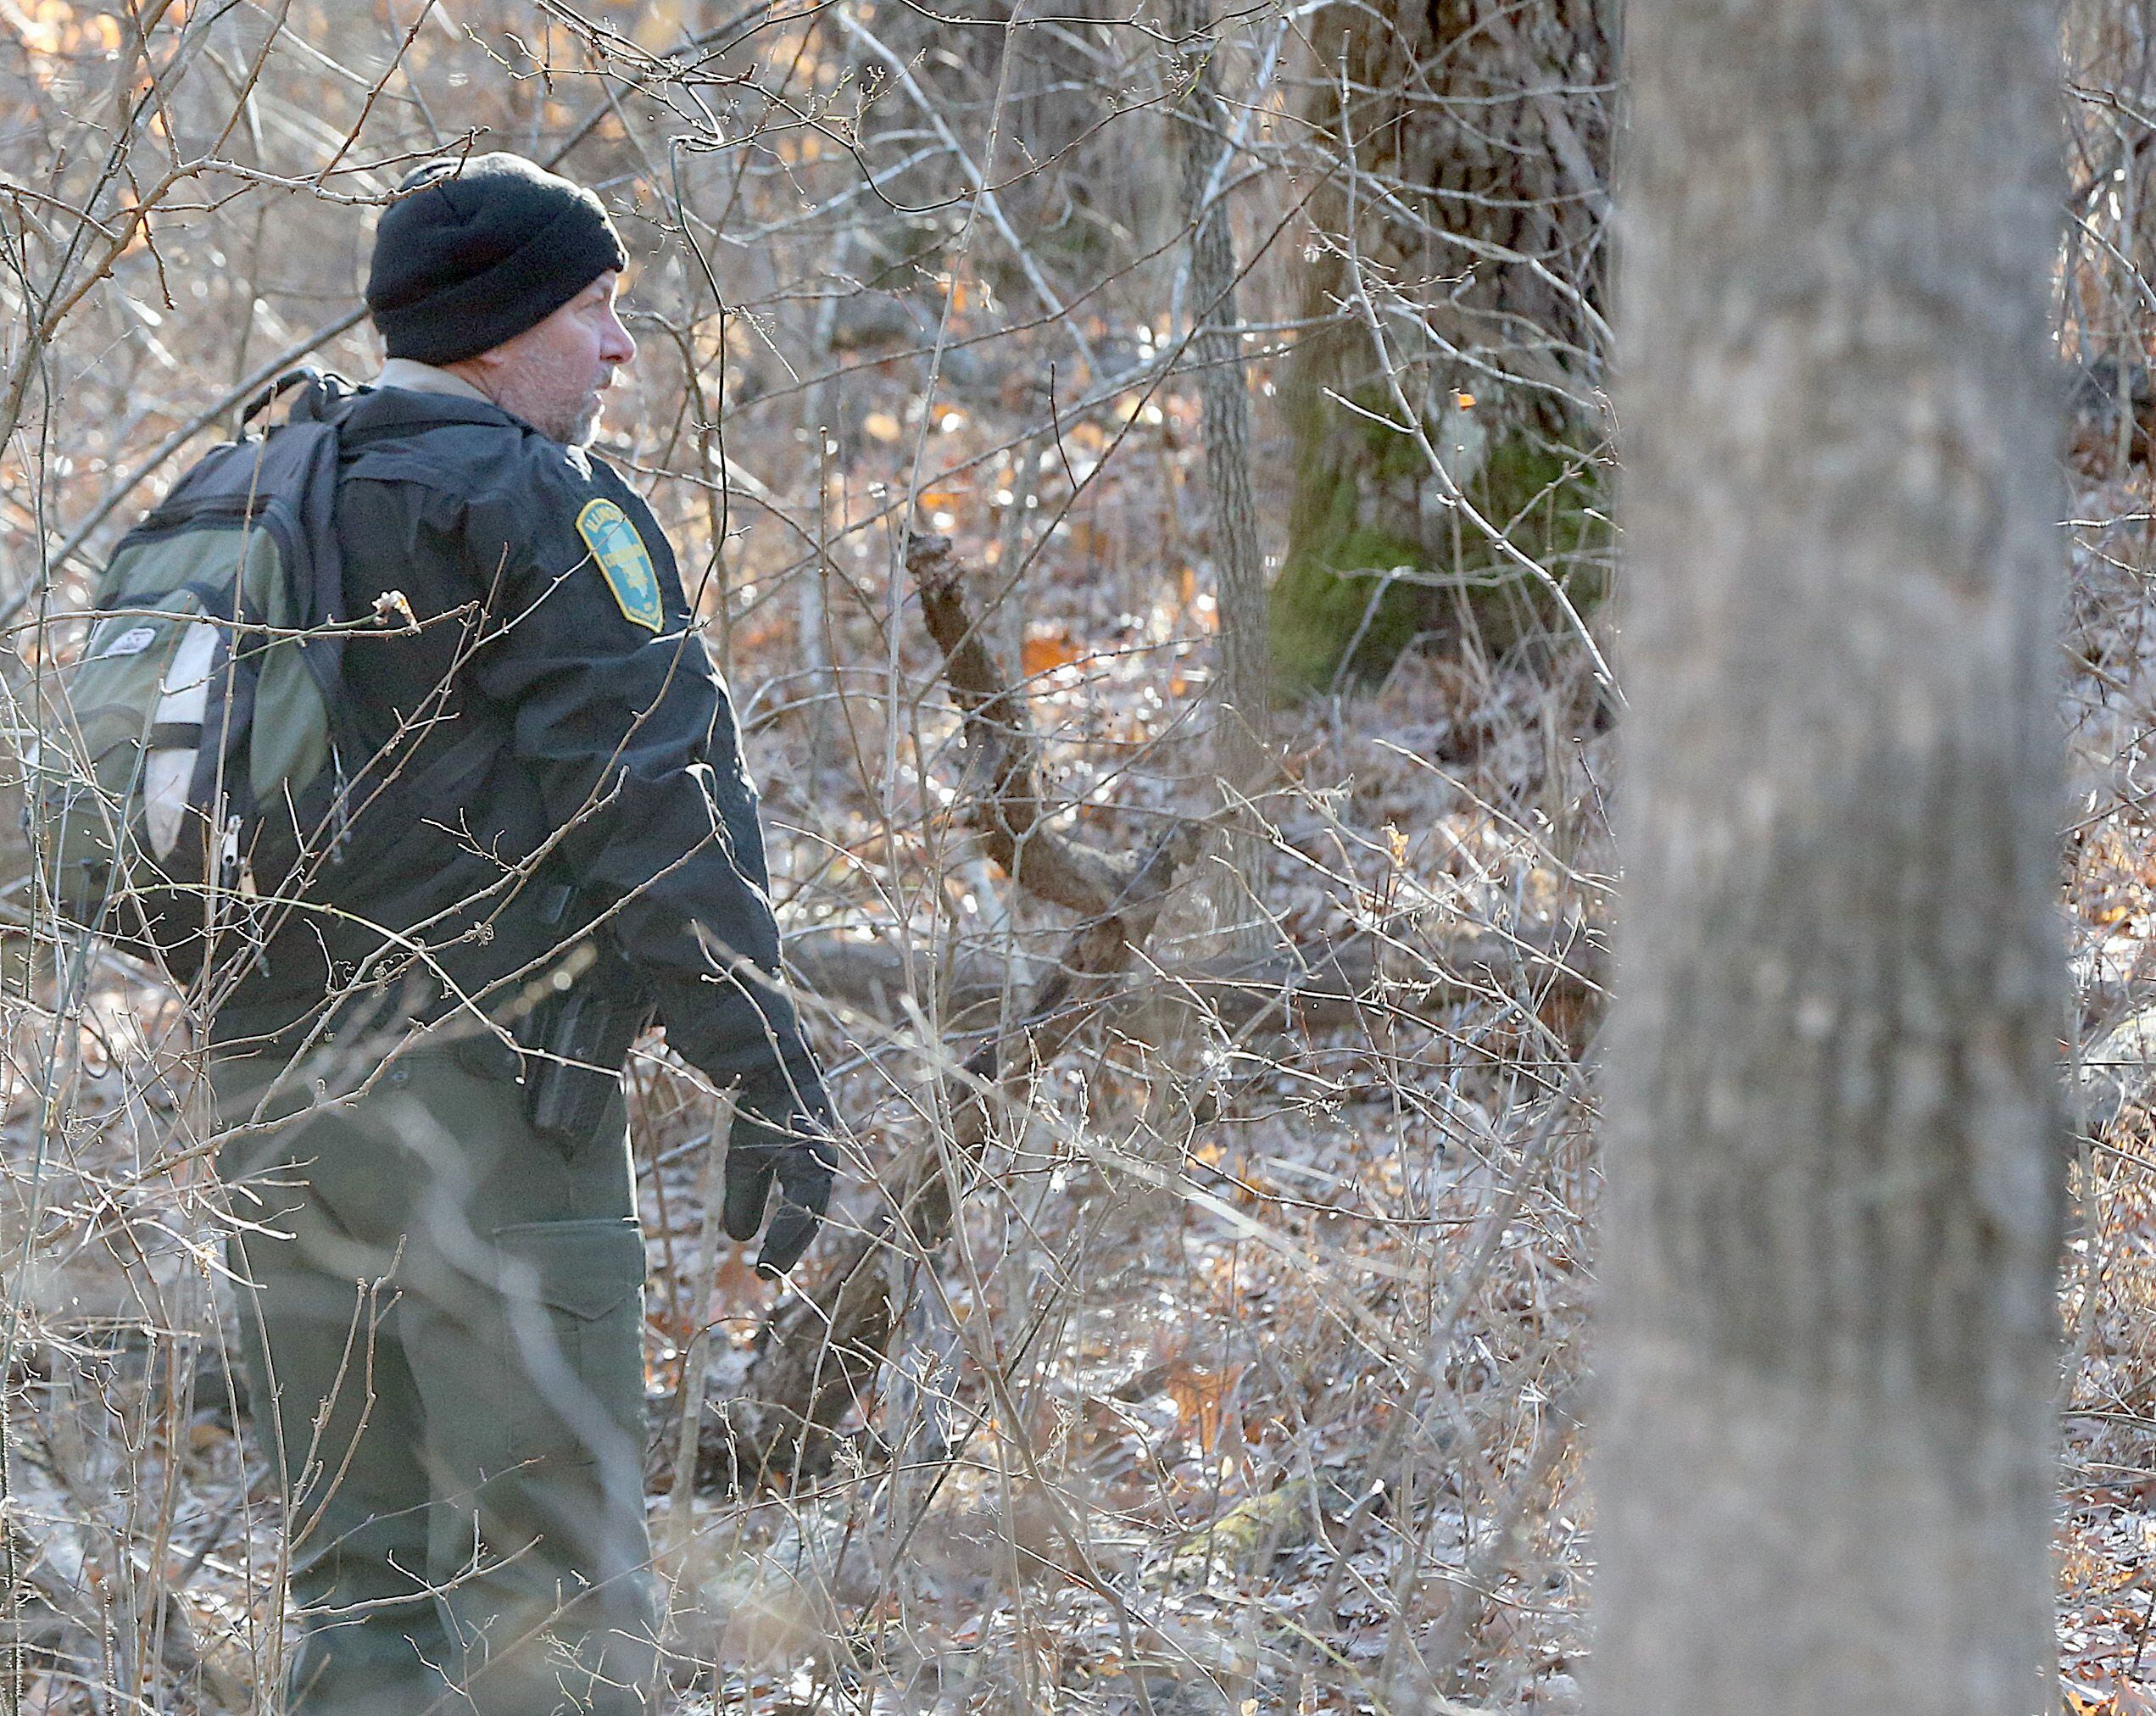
[1046, 653]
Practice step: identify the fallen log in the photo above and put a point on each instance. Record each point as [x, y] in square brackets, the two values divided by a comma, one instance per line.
[1313, 985]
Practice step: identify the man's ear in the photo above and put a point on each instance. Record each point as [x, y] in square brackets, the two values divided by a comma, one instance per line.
[480, 369]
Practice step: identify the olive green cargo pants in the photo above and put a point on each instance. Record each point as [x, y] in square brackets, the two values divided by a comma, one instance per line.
[442, 1318]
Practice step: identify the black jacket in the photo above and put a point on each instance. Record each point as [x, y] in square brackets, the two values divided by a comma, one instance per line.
[553, 736]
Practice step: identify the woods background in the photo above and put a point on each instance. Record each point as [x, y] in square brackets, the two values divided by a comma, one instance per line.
[1145, 475]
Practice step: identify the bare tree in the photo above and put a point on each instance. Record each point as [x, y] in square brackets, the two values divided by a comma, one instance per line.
[1833, 1121]
[1244, 692]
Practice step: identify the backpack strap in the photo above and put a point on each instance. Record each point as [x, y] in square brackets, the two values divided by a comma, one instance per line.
[310, 430]
[309, 438]
[295, 462]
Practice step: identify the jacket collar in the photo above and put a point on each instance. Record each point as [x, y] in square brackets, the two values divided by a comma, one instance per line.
[389, 408]
[425, 378]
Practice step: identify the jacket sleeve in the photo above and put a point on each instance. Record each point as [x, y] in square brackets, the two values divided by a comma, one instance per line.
[617, 713]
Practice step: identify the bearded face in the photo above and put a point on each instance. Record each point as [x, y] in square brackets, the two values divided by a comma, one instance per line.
[554, 375]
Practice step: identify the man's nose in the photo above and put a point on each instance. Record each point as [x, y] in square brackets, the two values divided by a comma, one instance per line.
[617, 346]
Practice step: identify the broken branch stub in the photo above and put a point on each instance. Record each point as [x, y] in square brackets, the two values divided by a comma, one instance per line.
[1001, 793]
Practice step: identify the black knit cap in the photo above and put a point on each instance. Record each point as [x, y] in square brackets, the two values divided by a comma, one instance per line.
[475, 249]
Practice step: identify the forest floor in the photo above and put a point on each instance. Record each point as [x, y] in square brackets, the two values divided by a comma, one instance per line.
[2108, 1530]
[1251, 1380]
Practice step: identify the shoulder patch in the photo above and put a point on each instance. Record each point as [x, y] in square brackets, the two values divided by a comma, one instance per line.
[623, 562]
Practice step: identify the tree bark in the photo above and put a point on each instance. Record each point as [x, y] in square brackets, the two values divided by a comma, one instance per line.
[1835, 1145]
[1465, 149]
[1224, 396]
[1242, 690]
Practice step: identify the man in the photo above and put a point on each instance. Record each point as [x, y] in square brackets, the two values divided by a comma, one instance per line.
[553, 841]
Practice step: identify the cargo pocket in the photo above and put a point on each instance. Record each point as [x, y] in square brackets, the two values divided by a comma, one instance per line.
[575, 1299]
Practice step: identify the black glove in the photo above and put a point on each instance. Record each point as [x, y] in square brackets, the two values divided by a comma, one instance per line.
[781, 1131]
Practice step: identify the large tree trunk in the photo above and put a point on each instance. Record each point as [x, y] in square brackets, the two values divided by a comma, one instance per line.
[1835, 1162]
[1465, 145]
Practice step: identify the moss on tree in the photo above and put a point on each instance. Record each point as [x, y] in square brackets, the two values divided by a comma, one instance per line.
[1368, 505]
[1339, 552]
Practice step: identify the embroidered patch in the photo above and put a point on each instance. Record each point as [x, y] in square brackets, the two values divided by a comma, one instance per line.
[131, 642]
[623, 562]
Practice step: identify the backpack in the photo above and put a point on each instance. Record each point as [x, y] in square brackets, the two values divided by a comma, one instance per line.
[188, 775]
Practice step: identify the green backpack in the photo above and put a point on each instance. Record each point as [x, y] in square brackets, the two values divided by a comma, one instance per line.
[189, 775]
